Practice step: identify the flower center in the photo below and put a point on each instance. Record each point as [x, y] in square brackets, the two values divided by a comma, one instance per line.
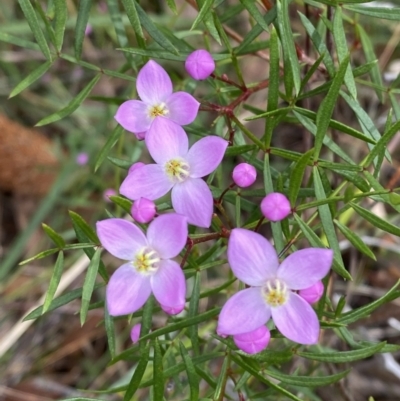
[177, 170]
[275, 292]
[158, 110]
[146, 261]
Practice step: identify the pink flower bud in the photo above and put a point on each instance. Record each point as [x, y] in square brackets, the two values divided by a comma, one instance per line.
[244, 175]
[143, 210]
[200, 64]
[135, 166]
[314, 293]
[107, 193]
[140, 135]
[275, 206]
[253, 342]
[82, 158]
[135, 333]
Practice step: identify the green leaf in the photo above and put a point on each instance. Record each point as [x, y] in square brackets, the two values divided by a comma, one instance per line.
[255, 13]
[31, 78]
[79, 222]
[55, 237]
[375, 220]
[296, 176]
[131, 12]
[55, 280]
[355, 239]
[204, 10]
[60, 19]
[238, 150]
[325, 111]
[193, 311]
[88, 285]
[153, 31]
[109, 325]
[172, 6]
[111, 141]
[191, 373]
[221, 383]
[72, 106]
[40, 255]
[342, 50]
[33, 22]
[389, 12]
[81, 24]
[14, 40]
[344, 356]
[124, 164]
[126, 204]
[158, 371]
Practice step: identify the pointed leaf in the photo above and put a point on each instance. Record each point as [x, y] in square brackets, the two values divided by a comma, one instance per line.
[109, 325]
[255, 13]
[296, 176]
[60, 19]
[111, 141]
[191, 373]
[55, 237]
[55, 280]
[81, 24]
[389, 12]
[204, 10]
[158, 371]
[130, 8]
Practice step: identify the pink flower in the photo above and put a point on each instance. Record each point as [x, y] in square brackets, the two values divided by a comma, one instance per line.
[82, 158]
[179, 169]
[275, 206]
[135, 332]
[149, 268]
[107, 193]
[314, 293]
[272, 292]
[200, 64]
[244, 175]
[253, 342]
[143, 210]
[154, 87]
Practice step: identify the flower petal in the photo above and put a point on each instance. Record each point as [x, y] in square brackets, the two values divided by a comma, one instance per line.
[166, 140]
[169, 286]
[127, 291]
[297, 320]
[167, 234]
[244, 312]
[304, 268]
[149, 181]
[194, 200]
[252, 258]
[206, 155]
[120, 237]
[135, 332]
[182, 107]
[153, 84]
[253, 342]
[133, 116]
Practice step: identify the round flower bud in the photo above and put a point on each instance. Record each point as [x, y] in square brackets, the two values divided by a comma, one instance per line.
[314, 293]
[244, 175]
[253, 342]
[135, 166]
[200, 64]
[135, 333]
[82, 158]
[275, 206]
[107, 193]
[143, 210]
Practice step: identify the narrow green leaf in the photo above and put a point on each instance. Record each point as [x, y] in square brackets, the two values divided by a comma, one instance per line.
[204, 10]
[81, 24]
[221, 383]
[110, 143]
[14, 40]
[109, 325]
[153, 31]
[130, 8]
[238, 150]
[355, 240]
[296, 176]
[40, 255]
[55, 280]
[389, 12]
[172, 6]
[88, 285]
[31, 78]
[375, 220]
[33, 22]
[193, 311]
[124, 164]
[191, 373]
[158, 371]
[311, 72]
[72, 106]
[55, 237]
[342, 50]
[344, 356]
[325, 111]
[60, 19]
[255, 13]
[126, 204]
[78, 221]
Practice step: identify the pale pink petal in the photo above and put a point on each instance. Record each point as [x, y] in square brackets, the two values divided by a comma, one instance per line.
[153, 84]
[253, 342]
[244, 312]
[135, 332]
[206, 155]
[296, 320]
[168, 234]
[252, 258]
[172, 311]
[304, 268]
[120, 237]
[200, 64]
[169, 286]
[149, 181]
[194, 200]
[133, 116]
[182, 108]
[166, 140]
[314, 293]
[127, 291]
